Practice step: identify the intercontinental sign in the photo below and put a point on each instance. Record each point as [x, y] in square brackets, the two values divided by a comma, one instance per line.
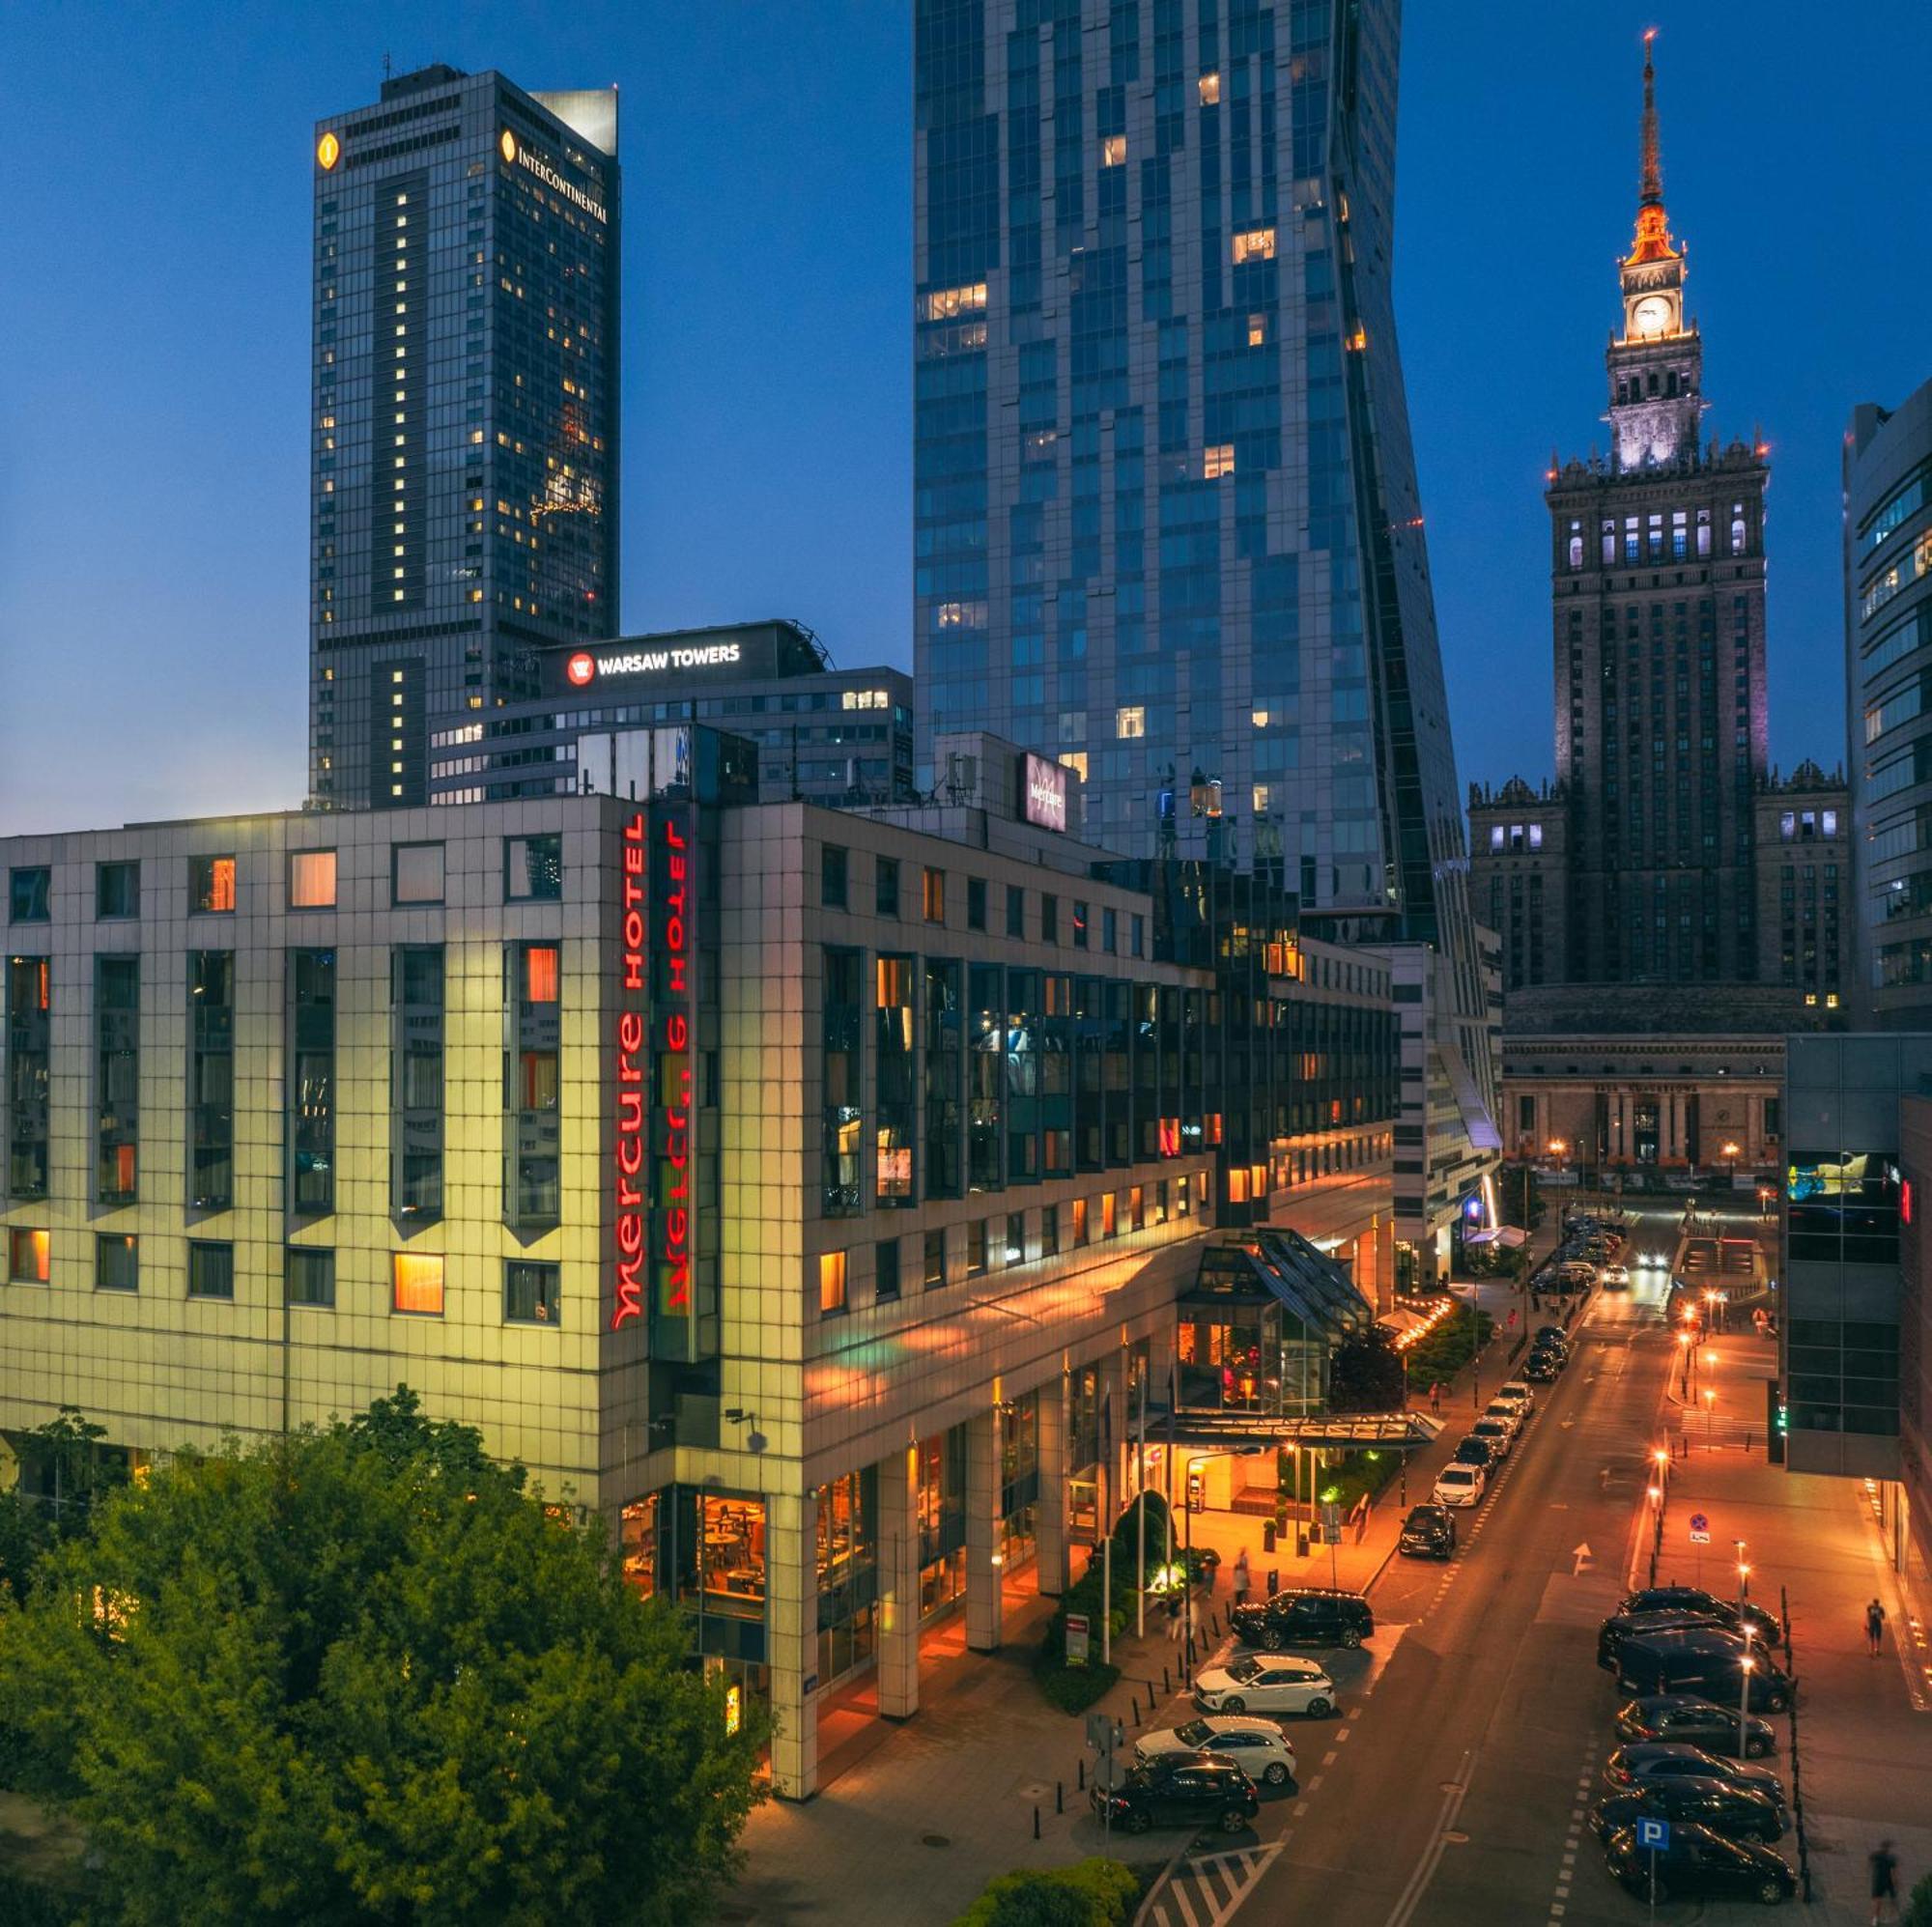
[513, 150]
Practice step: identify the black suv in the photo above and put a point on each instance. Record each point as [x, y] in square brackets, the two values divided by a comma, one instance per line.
[1738, 1813]
[1306, 1616]
[1765, 1624]
[1181, 1790]
[1474, 1451]
[1622, 1625]
[1698, 1861]
[1429, 1532]
[1542, 1365]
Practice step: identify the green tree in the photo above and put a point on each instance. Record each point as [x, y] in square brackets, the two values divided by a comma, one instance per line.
[1918, 1905]
[65, 1465]
[1090, 1893]
[1365, 1375]
[359, 1674]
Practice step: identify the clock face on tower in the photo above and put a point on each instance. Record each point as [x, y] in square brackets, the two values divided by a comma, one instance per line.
[1651, 315]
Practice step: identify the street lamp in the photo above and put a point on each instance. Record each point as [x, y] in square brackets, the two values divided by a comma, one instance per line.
[1744, 1574]
[1710, 1417]
[1746, 1666]
[1730, 1151]
[1684, 1347]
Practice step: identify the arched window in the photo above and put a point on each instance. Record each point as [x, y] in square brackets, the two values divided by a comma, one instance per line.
[1576, 552]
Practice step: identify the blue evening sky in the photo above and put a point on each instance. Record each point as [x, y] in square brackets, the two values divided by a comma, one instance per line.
[154, 390]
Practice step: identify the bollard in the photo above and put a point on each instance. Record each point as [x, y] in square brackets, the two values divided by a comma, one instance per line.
[1080, 1771]
[1059, 1796]
[1165, 1683]
[1036, 1822]
[1133, 1710]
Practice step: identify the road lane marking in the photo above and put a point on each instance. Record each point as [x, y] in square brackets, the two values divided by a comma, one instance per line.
[1425, 1869]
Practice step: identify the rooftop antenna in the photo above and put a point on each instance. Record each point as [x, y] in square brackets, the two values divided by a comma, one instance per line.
[386, 74]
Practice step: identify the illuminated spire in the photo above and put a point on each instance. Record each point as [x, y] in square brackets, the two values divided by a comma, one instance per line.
[1652, 226]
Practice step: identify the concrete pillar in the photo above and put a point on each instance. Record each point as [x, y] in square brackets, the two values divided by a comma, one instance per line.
[898, 1584]
[1050, 1564]
[791, 1618]
[1116, 1435]
[984, 1600]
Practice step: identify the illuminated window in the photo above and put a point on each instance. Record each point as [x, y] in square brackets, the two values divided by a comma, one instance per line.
[933, 896]
[943, 303]
[418, 1283]
[415, 875]
[540, 974]
[533, 1293]
[312, 880]
[1256, 244]
[1130, 722]
[1209, 87]
[1109, 1213]
[27, 1256]
[1256, 330]
[1261, 799]
[1113, 150]
[831, 1282]
[1217, 460]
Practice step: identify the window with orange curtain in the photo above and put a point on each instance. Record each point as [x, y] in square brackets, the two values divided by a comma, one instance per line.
[28, 1258]
[212, 885]
[312, 880]
[418, 1282]
[540, 974]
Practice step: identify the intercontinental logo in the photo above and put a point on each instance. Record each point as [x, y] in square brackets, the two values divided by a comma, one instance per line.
[516, 155]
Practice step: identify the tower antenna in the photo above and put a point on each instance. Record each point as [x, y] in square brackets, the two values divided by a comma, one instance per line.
[1650, 189]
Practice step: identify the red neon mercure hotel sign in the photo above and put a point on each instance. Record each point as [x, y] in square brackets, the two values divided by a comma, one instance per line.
[627, 1301]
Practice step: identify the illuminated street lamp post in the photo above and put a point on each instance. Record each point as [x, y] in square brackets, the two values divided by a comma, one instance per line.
[1710, 1418]
[1730, 1151]
[1746, 1665]
[1744, 1574]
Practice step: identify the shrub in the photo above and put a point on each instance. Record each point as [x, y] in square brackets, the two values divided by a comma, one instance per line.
[1092, 1893]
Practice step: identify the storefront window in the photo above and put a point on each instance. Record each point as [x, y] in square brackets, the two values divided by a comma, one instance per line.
[847, 1573]
[732, 1554]
[941, 1520]
[638, 1540]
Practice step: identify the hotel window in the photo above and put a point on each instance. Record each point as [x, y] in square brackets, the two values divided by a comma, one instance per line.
[1110, 931]
[1113, 150]
[211, 1270]
[898, 1071]
[985, 1076]
[976, 1248]
[117, 890]
[831, 1282]
[308, 1275]
[417, 1283]
[117, 1264]
[532, 868]
[532, 1097]
[886, 887]
[976, 903]
[934, 1273]
[311, 1088]
[1049, 917]
[27, 1256]
[1079, 925]
[944, 1074]
[1256, 244]
[29, 1073]
[210, 886]
[842, 1118]
[533, 1293]
[1130, 722]
[1015, 1245]
[1079, 1222]
[1049, 1229]
[416, 1081]
[885, 1270]
[30, 895]
[932, 895]
[117, 1072]
[832, 877]
[1217, 460]
[312, 880]
[211, 1080]
[416, 873]
[1016, 910]
[1208, 88]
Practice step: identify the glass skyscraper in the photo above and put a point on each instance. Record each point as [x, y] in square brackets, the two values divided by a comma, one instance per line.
[1166, 519]
[464, 414]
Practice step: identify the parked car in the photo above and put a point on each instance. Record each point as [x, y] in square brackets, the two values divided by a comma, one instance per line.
[1622, 1625]
[1766, 1626]
[1738, 1813]
[1508, 1411]
[1478, 1453]
[1551, 1335]
[1698, 1862]
[1656, 1759]
[1543, 1368]
[1688, 1719]
[1258, 1746]
[1515, 1388]
[1494, 1431]
[1304, 1616]
[1706, 1660]
[1181, 1790]
[1459, 1483]
[1429, 1532]
[1275, 1685]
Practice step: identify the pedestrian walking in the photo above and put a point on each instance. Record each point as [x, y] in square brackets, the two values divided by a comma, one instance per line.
[1194, 1619]
[1874, 1628]
[1241, 1577]
[1884, 1883]
[1173, 1617]
[1436, 1396]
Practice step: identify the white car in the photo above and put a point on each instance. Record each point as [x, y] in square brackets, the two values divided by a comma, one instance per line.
[1517, 1390]
[1652, 1261]
[1496, 1431]
[1258, 1746]
[1616, 1277]
[1267, 1683]
[1459, 1485]
[1507, 1411]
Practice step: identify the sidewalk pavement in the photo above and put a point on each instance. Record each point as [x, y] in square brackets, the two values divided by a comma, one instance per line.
[1865, 1746]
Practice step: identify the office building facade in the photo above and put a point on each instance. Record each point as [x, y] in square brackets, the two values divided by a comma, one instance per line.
[1656, 571]
[1166, 519]
[837, 736]
[808, 1193]
[465, 412]
[1887, 467]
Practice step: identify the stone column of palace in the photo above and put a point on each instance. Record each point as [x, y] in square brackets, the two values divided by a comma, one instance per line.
[983, 1602]
[898, 1584]
[791, 1609]
[1050, 1564]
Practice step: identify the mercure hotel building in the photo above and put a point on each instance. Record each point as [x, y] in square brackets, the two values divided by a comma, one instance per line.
[808, 1193]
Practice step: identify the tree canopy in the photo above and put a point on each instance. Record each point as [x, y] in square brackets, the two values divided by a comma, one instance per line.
[359, 1674]
[1366, 1372]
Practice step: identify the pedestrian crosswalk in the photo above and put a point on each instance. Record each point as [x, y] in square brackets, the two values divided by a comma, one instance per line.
[1206, 1890]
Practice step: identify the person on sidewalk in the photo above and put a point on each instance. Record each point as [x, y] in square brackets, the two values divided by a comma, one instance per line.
[1241, 1577]
[1436, 1396]
[1874, 1628]
[1173, 1617]
[1884, 1883]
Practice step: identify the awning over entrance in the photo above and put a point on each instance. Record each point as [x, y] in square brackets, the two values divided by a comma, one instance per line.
[1506, 1237]
[1264, 1264]
[1246, 1431]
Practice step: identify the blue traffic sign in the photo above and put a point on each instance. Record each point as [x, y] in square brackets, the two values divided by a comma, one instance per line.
[1654, 1833]
[1699, 1523]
